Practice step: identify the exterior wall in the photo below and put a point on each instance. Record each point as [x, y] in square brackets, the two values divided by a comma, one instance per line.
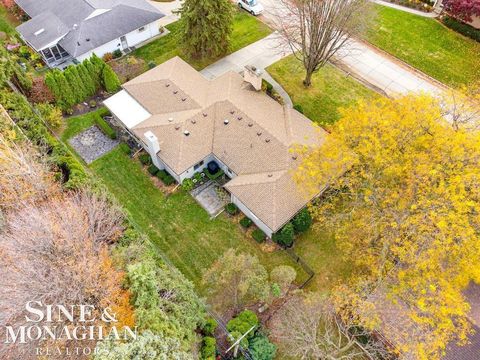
[252, 216]
[133, 38]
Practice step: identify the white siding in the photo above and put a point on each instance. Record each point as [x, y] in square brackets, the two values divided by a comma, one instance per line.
[133, 38]
[252, 216]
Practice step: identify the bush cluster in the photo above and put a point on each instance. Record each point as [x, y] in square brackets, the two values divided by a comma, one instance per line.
[285, 236]
[166, 178]
[259, 236]
[462, 28]
[209, 348]
[145, 159]
[153, 170]
[246, 222]
[231, 209]
[188, 184]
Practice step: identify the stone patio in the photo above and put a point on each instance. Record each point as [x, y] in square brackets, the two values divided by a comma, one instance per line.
[212, 197]
[92, 144]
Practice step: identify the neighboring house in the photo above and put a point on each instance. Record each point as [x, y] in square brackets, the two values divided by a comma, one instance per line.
[396, 327]
[66, 31]
[186, 121]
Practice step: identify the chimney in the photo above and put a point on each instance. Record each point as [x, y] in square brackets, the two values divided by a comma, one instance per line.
[253, 76]
[152, 143]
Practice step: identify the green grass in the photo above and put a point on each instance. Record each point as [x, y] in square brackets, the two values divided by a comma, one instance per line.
[180, 228]
[77, 124]
[330, 89]
[246, 30]
[427, 45]
[318, 248]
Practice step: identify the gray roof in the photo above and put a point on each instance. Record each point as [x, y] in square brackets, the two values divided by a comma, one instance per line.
[70, 18]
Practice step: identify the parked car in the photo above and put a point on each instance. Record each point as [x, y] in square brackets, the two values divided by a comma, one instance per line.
[252, 6]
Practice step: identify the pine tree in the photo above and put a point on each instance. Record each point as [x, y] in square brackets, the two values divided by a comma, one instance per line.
[206, 27]
[93, 71]
[52, 85]
[111, 82]
[86, 79]
[63, 87]
[71, 74]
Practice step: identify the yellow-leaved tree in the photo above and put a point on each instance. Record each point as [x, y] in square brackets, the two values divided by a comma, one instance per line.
[404, 204]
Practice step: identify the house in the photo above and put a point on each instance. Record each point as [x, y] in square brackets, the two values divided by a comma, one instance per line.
[66, 31]
[186, 122]
[396, 328]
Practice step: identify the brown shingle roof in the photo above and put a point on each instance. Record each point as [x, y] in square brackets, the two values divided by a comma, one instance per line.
[248, 131]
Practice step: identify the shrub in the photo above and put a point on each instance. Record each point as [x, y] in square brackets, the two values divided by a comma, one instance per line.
[262, 349]
[462, 28]
[302, 221]
[231, 209]
[106, 129]
[166, 178]
[209, 347]
[259, 236]
[107, 57]
[111, 82]
[92, 104]
[117, 53]
[215, 176]
[285, 236]
[51, 114]
[210, 327]
[151, 64]
[188, 184]
[246, 222]
[153, 170]
[145, 159]
[243, 322]
[125, 149]
[299, 108]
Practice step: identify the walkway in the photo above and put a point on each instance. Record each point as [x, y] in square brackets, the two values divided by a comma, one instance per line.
[432, 14]
[167, 8]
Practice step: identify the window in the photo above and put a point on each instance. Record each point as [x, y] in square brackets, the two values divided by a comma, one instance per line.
[141, 29]
[198, 165]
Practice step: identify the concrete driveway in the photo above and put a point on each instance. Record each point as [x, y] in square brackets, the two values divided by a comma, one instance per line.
[167, 8]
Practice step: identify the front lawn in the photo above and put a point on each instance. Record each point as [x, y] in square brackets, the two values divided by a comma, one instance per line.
[180, 228]
[246, 30]
[427, 45]
[331, 89]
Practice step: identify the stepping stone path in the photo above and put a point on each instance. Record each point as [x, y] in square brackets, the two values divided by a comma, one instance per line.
[92, 144]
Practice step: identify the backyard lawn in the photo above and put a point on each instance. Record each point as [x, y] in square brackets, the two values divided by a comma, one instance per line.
[180, 228]
[246, 30]
[427, 45]
[330, 90]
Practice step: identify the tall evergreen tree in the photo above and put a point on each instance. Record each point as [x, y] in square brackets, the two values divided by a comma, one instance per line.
[76, 84]
[93, 72]
[66, 92]
[206, 27]
[52, 85]
[111, 82]
[86, 79]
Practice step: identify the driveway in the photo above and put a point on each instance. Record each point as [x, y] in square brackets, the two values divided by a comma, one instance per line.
[167, 8]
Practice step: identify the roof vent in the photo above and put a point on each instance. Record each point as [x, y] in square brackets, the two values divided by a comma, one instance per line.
[226, 121]
[167, 85]
[75, 26]
[186, 132]
[36, 33]
[239, 118]
[205, 114]
[177, 127]
[259, 133]
[175, 91]
[232, 112]
[267, 140]
[294, 157]
[88, 39]
[194, 121]
[270, 175]
[184, 99]
[170, 119]
[250, 124]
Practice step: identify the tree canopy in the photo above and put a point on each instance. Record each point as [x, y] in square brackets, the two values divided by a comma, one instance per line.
[405, 210]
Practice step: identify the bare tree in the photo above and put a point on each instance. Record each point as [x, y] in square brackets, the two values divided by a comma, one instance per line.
[56, 252]
[316, 30]
[307, 327]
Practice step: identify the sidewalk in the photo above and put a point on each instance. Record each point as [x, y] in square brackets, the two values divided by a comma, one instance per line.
[432, 14]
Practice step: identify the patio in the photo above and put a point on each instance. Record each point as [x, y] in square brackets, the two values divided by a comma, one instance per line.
[212, 197]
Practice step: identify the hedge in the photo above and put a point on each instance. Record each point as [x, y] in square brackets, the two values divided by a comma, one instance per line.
[259, 236]
[105, 127]
[462, 28]
[34, 128]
